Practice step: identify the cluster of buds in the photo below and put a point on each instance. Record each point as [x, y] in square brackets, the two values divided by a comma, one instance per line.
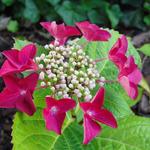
[68, 71]
[71, 75]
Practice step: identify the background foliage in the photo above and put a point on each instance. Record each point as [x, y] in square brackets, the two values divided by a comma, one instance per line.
[129, 13]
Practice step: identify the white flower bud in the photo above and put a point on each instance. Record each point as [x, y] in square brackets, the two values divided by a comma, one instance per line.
[57, 86]
[79, 94]
[63, 81]
[66, 96]
[53, 89]
[43, 83]
[41, 75]
[76, 91]
[42, 56]
[38, 59]
[74, 63]
[81, 79]
[71, 85]
[80, 51]
[61, 68]
[102, 79]
[101, 83]
[88, 98]
[41, 66]
[56, 43]
[76, 72]
[48, 71]
[48, 66]
[60, 93]
[46, 46]
[48, 83]
[51, 46]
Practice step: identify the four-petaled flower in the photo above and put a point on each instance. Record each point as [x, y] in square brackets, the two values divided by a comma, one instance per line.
[19, 61]
[118, 51]
[129, 77]
[55, 112]
[60, 32]
[18, 93]
[92, 32]
[93, 113]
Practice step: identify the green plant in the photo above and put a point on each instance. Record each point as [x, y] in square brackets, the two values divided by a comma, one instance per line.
[102, 12]
[13, 26]
[133, 131]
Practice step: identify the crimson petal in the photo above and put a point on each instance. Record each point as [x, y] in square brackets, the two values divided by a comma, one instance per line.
[12, 56]
[98, 99]
[54, 121]
[91, 129]
[26, 104]
[104, 116]
[26, 53]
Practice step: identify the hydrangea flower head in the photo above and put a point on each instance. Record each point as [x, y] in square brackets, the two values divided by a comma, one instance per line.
[70, 75]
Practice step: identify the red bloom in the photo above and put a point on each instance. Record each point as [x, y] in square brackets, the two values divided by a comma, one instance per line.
[18, 93]
[60, 32]
[92, 32]
[55, 112]
[93, 113]
[18, 61]
[129, 77]
[118, 51]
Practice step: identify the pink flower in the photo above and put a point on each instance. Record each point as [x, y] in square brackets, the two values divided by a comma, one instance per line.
[92, 32]
[55, 112]
[118, 51]
[18, 93]
[60, 32]
[93, 113]
[18, 61]
[129, 77]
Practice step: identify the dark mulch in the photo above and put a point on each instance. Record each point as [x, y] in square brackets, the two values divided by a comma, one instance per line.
[35, 35]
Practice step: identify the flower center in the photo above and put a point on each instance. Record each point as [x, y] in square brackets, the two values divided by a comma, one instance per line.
[90, 113]
[53, 110]
[68, 71]
[23, 92]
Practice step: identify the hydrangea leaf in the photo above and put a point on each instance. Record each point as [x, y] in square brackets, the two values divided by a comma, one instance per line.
[29, 132]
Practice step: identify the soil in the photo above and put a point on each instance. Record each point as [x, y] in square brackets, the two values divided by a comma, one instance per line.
[36, 35]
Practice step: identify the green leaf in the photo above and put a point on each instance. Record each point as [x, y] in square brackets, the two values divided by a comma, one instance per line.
[147, 20]
[145, 85]
[71, 12]
[132, 3]
[147, 6]
[8, 2]
[95, 17]
[19, 44]
[145, 49]
[133, 19]
[114, 14]
[116, 99]
[13, 26]
[53, 2]
[31, 11]
[133, 133]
